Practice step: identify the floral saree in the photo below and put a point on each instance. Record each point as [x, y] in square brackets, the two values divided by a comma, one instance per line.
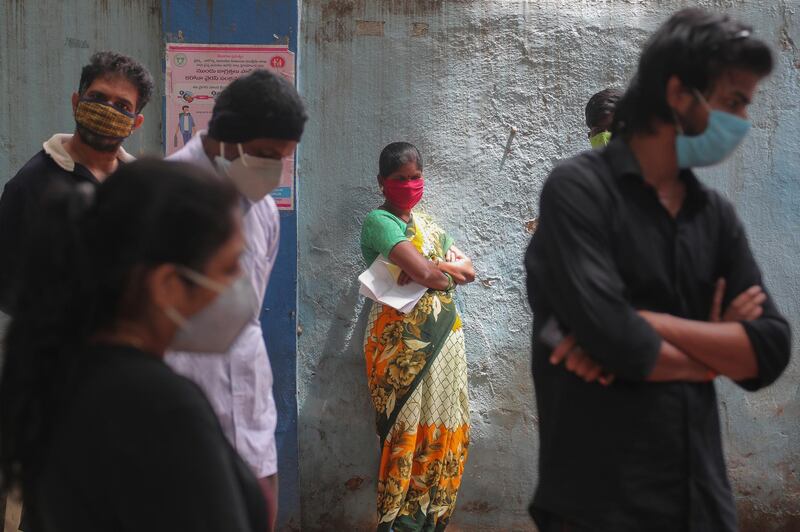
[417, 375]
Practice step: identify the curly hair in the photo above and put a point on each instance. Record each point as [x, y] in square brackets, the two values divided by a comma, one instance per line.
[111, 64]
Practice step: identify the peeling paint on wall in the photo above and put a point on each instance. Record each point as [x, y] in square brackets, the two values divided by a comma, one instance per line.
[372, 28]
[419, 29]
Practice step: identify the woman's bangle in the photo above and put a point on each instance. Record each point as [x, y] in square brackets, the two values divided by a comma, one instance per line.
[450, 282]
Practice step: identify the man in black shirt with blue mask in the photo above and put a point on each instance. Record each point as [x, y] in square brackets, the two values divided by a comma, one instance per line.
[626, 264]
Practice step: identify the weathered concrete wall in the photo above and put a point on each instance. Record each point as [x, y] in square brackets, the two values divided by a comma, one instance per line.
[454, 77]
[43, 46]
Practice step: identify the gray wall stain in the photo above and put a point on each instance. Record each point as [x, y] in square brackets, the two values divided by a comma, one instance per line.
[43, 46]
[482, 68]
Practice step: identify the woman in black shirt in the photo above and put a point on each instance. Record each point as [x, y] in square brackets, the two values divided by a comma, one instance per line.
[97, 432]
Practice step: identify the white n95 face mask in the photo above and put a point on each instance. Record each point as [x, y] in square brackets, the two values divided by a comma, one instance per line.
[216, 327]
[254, 177]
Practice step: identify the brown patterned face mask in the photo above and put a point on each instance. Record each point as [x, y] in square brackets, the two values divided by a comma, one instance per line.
[104, 119]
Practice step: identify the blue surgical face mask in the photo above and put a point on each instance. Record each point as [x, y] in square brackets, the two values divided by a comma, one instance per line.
[723, 134]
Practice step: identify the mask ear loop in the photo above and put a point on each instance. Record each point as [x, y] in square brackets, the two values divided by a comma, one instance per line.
[698, 96]
[702, 99]
[222, 150]
[175, 316]
[677, 121]
[200, 279]
[242, 153]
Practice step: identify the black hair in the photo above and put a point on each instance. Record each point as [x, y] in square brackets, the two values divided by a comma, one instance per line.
[601, 105]
[396, 155]
[184, 107]
[258, 105]
[111, 64]
[698, 47]
[85, 266]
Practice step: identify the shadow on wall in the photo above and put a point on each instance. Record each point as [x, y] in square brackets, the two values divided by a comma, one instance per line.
[348, 476]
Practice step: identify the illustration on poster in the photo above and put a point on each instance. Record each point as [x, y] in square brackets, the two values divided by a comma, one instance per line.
[189, 97]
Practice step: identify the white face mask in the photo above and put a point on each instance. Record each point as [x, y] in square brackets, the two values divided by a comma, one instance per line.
[214, 329]
[254, 177]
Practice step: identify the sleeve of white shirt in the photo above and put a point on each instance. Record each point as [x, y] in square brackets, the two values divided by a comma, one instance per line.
[255, 432]
[275, 233]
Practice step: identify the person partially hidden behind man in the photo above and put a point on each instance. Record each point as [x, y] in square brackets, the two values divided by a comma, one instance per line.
[112, 92]
[627, 259]
[600, 114]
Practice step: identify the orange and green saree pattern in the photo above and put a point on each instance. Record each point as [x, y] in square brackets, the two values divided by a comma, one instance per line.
[417, 375]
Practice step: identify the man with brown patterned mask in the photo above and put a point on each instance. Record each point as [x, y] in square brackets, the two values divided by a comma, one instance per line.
[112, 92]
[107, 108]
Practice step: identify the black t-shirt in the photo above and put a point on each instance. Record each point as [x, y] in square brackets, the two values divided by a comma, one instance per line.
[137, 447]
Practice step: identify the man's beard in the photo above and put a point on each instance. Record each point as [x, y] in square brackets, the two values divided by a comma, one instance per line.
[97, 142]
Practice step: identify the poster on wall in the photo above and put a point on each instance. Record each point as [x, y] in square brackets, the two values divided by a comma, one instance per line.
[197, 73]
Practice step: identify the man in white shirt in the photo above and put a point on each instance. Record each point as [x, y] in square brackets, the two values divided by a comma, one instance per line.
[256, 123]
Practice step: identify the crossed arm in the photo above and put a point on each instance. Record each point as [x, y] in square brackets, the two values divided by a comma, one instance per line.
[692, 351]
[428, 273]
[570, 264]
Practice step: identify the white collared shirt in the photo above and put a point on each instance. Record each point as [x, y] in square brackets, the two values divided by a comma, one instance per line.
[239, 383]
[54, 147]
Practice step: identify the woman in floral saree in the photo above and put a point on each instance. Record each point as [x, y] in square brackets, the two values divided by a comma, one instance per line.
[416, 362]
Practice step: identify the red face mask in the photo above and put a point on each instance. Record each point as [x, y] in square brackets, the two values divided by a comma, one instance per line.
[403, 194]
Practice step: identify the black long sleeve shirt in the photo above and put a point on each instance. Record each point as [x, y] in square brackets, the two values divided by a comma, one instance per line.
[19, 207]
[137, 447]
[635, 455]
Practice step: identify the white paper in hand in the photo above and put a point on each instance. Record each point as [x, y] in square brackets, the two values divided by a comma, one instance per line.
[379, 283]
